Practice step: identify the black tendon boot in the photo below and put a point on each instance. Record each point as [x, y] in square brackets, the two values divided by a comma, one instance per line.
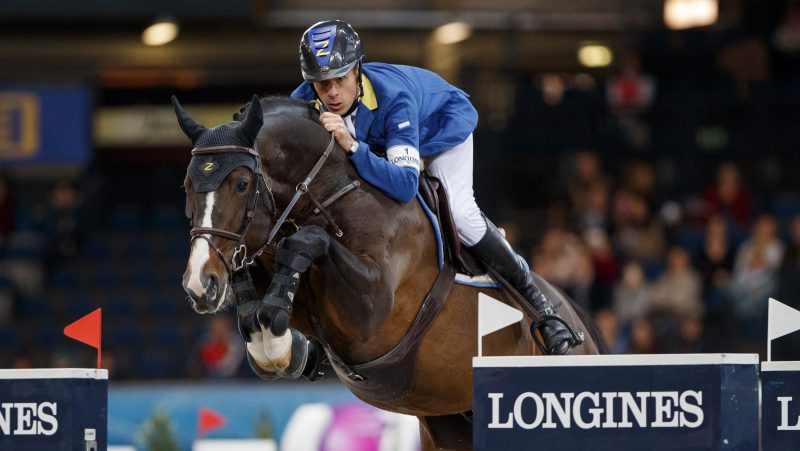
[494, 251]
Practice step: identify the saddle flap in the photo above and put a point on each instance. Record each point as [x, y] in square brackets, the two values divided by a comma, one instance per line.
[434, 194]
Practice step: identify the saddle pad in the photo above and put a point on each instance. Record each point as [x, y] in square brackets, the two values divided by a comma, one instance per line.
[483, 281]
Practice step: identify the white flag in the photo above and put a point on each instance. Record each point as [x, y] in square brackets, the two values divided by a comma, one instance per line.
[494, 315]
[781, 319]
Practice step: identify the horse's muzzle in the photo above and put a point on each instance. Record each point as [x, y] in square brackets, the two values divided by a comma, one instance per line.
[208, 300]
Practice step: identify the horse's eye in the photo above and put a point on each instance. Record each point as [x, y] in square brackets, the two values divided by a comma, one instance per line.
[241, 186]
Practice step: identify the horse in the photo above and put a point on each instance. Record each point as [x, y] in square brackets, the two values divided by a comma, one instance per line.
[347, 278]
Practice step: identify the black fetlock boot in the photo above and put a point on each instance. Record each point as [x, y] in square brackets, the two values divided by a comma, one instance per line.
[494, 251]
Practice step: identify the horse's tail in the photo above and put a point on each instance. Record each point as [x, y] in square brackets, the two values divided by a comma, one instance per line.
[591, 327]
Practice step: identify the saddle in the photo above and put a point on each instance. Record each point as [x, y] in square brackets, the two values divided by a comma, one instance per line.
[434, 195]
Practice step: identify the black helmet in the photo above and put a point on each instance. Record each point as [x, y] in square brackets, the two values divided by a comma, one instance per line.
[329, 49]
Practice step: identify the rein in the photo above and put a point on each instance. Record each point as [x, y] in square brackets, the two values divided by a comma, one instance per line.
[301, 189]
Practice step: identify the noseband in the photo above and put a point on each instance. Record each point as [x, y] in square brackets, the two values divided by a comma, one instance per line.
[240, 259]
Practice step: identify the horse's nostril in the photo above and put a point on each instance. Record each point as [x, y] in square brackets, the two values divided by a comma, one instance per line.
[212, 287]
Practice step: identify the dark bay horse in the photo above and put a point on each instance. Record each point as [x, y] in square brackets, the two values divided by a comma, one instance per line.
[352, 275]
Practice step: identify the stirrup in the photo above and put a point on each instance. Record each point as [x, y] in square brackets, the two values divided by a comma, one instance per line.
[574, 338]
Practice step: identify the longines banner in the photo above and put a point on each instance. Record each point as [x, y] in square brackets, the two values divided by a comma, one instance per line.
[780, 405]
[53, 409]
[616, 402]
[45, 125]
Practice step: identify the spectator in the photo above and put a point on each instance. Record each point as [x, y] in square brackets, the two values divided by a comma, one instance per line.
[630, 93]
[745, 62]
[690, 337]
[715, 265]
[611, 330]
[556, 257]
[643, 338]
[639, 235]
[676, 293]
[787, 35]
[605, 267]
[221, 349]
[789, 287]
[729, 198]
[589, 191]
[596, 212]
[755, 275]
[631, 294]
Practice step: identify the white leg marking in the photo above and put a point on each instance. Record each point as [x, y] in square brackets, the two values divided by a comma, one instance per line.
[277, 347]
[271, 353]
[201, 251]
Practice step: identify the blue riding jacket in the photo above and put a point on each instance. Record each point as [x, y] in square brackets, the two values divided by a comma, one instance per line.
[405, 112]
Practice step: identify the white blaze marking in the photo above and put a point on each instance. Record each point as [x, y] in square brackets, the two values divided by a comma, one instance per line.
[200, 249]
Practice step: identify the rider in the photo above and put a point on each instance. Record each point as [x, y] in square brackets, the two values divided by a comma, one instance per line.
[387, 118]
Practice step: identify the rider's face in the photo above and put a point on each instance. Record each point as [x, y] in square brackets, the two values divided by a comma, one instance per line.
[338, 94]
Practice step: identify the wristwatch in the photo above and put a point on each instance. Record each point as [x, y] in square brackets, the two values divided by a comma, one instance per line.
[352, 149]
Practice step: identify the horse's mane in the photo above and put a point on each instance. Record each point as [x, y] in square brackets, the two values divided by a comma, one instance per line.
[287, 105]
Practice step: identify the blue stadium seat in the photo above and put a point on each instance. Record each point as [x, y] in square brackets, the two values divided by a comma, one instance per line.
[126, 219]
[166, 334]
[97, 249]
[119, 306]
[142, 276]
[124, 334]
[692, 239]
[9, 337]
[35, 307]
[154, 365]
[786, 206]
[138, 249]
[65, 279]
[78, 305]
[169, 218]
[166, 307]
[107, 277]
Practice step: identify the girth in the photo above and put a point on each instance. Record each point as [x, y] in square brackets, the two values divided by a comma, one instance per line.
[390, 376]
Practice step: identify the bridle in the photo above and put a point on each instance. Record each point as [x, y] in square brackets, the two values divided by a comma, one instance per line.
[240, 259]
[256, 192]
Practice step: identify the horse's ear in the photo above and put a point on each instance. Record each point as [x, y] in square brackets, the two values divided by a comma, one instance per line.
[190, 127]
[254, 120]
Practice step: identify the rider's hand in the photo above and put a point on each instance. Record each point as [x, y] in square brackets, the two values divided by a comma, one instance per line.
[334, 123]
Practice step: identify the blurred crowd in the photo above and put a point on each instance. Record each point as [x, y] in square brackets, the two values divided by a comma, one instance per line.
[661, 275]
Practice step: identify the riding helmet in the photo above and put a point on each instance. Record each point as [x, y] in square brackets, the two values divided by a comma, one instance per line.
[329, 49]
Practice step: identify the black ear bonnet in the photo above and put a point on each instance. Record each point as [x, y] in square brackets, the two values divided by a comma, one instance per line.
[208, 171]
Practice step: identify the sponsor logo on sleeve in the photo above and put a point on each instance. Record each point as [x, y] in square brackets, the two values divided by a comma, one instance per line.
[403, 156]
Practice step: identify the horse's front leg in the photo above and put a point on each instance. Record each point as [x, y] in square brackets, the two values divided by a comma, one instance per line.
[274, 346]
[274, 349]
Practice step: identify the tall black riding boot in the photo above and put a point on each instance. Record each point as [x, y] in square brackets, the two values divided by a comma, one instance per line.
[494, 251]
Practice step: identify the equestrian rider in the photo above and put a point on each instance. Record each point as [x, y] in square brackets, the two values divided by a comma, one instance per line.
[387, 117]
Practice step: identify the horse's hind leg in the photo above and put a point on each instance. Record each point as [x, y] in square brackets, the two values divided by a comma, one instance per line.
[445, 432]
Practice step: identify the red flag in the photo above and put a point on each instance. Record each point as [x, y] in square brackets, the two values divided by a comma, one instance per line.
[87, 330]
[208, 420]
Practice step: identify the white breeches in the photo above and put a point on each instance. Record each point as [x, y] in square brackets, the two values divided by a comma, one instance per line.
[454, 168]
